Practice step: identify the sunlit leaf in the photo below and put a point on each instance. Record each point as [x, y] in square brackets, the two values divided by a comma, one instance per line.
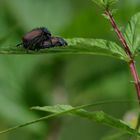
[78, 46]
[97, 46]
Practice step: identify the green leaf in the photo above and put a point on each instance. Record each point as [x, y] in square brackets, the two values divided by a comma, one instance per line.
[105, 3]
[132, 33]
[96, 46]
[115, 136]
[98, 116]
[77, 46]
[54, 109]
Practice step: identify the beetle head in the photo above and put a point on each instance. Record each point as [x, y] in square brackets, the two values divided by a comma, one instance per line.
[47, 32]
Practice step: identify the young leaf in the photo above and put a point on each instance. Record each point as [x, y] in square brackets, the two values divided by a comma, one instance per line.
[98, 116]
[132, 33]
[105, 3]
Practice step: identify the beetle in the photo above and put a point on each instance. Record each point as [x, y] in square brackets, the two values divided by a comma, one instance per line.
[33, 38]
[41, 38]
[53, 42]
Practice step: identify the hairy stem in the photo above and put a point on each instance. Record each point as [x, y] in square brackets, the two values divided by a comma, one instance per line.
[127, 50]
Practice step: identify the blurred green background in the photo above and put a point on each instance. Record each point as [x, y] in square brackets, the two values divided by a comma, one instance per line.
[39, 80]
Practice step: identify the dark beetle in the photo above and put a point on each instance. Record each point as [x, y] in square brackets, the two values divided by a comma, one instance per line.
[35, 37]
[53, 42]
[40, 38]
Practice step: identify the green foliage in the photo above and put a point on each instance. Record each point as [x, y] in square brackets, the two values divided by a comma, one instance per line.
[30, 80]
[132, 33]
[105, 3]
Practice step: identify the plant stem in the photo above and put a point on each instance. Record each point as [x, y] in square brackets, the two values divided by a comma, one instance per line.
[127, 50]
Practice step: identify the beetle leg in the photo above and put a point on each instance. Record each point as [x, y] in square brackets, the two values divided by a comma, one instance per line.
[51, 42]
[37, 49]
[19, 45]
[27, 50]
[35, 43]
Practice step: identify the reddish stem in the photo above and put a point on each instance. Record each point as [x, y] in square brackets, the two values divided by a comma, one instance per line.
[135, 78]
[128, 52]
